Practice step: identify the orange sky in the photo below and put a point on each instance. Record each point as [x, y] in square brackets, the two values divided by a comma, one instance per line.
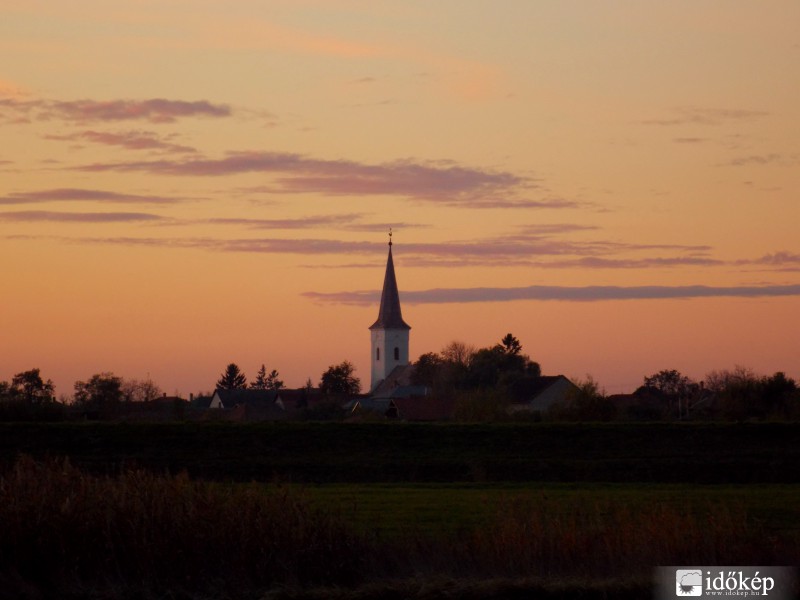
[191, 183]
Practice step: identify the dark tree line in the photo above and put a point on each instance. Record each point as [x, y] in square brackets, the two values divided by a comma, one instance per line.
[234, 379]
[736, 394]
[483, 382]
[502, 368]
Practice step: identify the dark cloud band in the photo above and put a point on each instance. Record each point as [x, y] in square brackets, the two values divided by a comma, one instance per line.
[568, 294]
[78, 195]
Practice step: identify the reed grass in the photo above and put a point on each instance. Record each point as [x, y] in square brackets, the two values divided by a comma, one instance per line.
[63, 527]
[65, 532]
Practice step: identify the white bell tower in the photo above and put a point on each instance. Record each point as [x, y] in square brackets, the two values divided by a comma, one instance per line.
[389, 333]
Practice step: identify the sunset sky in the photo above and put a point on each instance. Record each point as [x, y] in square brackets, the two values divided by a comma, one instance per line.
[189, 183]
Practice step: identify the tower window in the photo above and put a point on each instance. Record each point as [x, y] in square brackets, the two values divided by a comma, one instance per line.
[396, 353]
[377, 353]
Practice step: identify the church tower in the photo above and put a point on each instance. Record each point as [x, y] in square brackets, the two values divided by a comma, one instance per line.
[389, 333]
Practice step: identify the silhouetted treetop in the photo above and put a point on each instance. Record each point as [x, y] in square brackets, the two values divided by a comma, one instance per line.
[232, 378]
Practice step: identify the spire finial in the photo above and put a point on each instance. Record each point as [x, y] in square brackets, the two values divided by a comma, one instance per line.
[390, 236]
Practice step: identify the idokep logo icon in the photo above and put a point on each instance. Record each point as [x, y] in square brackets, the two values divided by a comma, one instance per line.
[688, 582]
[772, 583]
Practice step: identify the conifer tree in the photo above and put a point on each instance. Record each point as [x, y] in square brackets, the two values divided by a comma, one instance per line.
[232, 378]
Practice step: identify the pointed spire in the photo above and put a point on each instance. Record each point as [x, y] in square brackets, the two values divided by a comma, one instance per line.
[389, 315]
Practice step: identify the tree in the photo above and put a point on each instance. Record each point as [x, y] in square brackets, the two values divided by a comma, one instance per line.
[460, 368]
[232, 378]
[266, 381]
[134, 390]
[339, 380]
[511, 344]
[428, 370]
[671, 386]
[502, 365]
[458, 353]
[742, 394]
[669, 383]
[103, 390]
[29, 387]
[585, 403]
[777, 394]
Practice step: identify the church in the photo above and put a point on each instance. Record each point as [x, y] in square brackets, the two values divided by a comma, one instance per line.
[391, 390]
[389, 334]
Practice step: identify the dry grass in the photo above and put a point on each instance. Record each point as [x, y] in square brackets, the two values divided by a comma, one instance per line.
[604, 539]
[65, 532]
[64, 528]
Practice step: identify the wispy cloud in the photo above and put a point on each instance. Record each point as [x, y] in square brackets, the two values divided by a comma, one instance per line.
[689, 140]
[756, 159]
[154, 110]
[598, 262]
[131, 140]
[295, 173]
[258, 245]
[556, 228]
[779, 258]
[38, 216]
[706, 116]
[779, 261]
[299, 223]
[559, 293]
[77, 194]
[512, 250]
[524, 250]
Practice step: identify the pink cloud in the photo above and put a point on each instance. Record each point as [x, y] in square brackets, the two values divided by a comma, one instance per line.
[299, 174]
[131, 140]
[35, 216]
[592, 293]
[707, 116]
[155, 110]
[75, 194]
[302, 223]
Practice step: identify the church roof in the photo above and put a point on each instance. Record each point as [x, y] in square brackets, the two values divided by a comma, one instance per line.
[389, 315]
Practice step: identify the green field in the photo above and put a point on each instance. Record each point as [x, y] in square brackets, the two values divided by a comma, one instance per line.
[399, 509]
[322, 510]
[699, 453]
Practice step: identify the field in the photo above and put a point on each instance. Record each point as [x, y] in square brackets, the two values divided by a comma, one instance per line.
[397, 452]
[389, 510]
[435, 509]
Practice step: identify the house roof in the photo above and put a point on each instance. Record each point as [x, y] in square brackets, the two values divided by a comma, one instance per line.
[371, 404]
[542, 383]
[399, 377]
[251, 405]
[249, 397]
[389, 315]
[295, 399]
[542, 392]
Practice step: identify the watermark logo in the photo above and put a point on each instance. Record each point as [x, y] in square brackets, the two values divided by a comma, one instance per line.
[688, 582]
[776, 583]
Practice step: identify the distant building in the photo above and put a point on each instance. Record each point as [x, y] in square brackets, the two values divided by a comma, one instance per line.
[546, 391]
[250, 404]
[399, 384]
[389, 334]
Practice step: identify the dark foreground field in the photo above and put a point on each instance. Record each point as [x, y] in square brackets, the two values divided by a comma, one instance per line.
[387, 511]
[396, 452]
